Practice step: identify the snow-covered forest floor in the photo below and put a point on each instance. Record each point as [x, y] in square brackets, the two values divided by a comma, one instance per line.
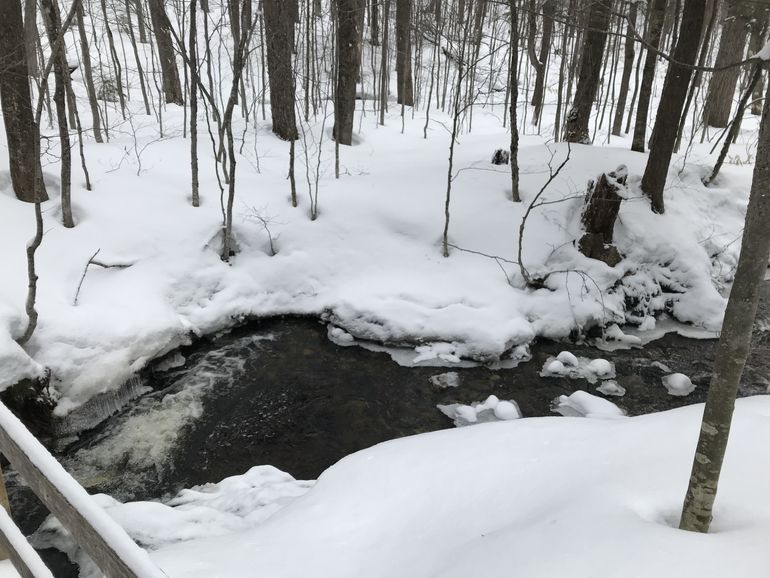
[371, 262]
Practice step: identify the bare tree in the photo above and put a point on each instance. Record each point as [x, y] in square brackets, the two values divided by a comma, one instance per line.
[161, 26]
[350, 21]
[655, 14]
[279, 31]
[405, 90]
[734, 344]
[576, 129]
[628, 63]
[20, 128]
[672, 101]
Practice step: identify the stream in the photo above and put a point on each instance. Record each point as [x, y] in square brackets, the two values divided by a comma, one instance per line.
[279, 392]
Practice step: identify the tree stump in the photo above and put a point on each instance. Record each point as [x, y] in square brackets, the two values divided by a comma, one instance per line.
[599, 215]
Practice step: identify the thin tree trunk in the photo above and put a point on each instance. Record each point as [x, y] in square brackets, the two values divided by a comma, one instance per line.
[53, 29]
[672, 99]
[628, 64]
[734, 344]
[540, 61]
[350, 20]
[172, 88]
[194, 80]
[514, 84]
[655, 16]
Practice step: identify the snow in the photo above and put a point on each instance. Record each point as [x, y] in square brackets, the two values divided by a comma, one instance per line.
[583, 404]
[491, 409]
[678, 384]
[22, 548]
[537, 497]
[763, 54]
[568, 365]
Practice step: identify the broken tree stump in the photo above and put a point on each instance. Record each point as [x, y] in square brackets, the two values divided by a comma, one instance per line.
[601, 209]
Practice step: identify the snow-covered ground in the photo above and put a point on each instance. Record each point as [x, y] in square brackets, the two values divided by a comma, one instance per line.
[538, 497]
[371, 263]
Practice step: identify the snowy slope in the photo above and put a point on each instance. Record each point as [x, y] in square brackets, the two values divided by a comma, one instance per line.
[534, 498]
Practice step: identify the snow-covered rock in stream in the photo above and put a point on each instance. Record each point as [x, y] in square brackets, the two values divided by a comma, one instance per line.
[678, 384]
[567, 364]
[491, 409]
[612, 388]
[583, 404]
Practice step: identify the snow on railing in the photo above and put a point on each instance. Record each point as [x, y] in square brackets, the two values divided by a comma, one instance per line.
[116, 554]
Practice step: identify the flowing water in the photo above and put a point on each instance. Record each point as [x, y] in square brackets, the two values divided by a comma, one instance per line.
[280, 392]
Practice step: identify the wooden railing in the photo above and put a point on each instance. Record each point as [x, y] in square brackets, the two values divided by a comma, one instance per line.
[116, 554]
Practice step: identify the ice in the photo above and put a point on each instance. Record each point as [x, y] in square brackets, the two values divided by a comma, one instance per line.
[583, 404]
[601, 368]
[611, 387]
[678, 384]
[445, 380]
[491, 409]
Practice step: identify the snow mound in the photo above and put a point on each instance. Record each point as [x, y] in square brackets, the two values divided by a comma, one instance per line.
[678, 384]
[491, 409]
[583, 404]
[568, 365]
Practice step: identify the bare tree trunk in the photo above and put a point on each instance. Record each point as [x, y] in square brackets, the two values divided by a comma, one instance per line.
[514, 84]
[732, 44]
[279, 29]
[628, 64]
[141, 23]
[20, 128]
[31, 36]
[540, 61]
[88, 75]
[655, 16]
[758, 39]
[734, 344]
[172, 88]
[374, 22]
[405, 90]
[194, 80]
[672, 100]
[53, 29]
[350, 20]
[576, 129]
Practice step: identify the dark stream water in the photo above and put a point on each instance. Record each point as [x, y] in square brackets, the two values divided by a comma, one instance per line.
[279, 392]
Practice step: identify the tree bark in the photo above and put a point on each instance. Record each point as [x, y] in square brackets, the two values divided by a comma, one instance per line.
[576, 129]
[20, 129]
[672, 101]
[513, 79]
[732, 44]
[758, 39]
[172, 88]
[734, 344]
[655, 15]
[350, 20]
[88, 75]
[405, 91]
[628, 65]
[540, 61]
[31, 36]
[53, 29]
[279, 28]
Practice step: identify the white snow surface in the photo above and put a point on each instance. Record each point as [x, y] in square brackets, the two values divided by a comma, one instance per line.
[538, 497]
[583, 404]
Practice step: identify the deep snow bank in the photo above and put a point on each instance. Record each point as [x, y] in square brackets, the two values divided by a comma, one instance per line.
[538, 497]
